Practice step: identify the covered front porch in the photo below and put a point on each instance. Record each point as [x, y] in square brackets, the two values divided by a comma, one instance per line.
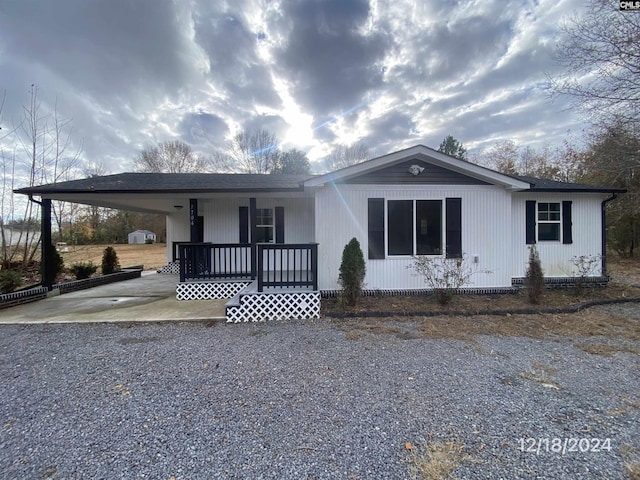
[258, 252]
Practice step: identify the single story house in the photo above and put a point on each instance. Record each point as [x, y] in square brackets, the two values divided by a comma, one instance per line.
[141, 236]
[278, 239]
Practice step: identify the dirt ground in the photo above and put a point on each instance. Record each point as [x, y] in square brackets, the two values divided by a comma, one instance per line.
[625, 283]
[592, 323]
[151, 256]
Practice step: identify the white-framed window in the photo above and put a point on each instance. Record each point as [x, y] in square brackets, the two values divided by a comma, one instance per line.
[549, 222]
[264, 225]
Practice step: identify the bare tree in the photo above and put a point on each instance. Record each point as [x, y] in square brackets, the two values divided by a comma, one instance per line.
[61, 166]
[173, 156]
[32, 137]
[563, 164]
[613, 158]
[90, 215]
[250, 152]
[44, 140]
[346, 155]
[503, 157]
[572, 162]
[539, 163]
[292, 161]
[6, 198]
[602, 63]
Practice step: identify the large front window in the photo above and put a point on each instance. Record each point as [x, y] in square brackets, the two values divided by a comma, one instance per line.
[414, 227]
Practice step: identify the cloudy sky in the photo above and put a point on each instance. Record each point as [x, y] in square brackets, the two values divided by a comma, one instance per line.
[388, 73]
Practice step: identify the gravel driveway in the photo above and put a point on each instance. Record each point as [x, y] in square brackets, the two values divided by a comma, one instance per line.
[301, 400]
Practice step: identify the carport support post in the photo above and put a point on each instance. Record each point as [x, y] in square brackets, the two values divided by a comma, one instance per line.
[193, 221]
[47, 248]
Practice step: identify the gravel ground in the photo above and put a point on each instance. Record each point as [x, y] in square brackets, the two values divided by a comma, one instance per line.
[300, 400]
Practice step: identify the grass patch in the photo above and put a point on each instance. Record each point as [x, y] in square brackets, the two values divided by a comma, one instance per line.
[472, 304]
[631, 461]
[588, 323]
[625, 283]
[151, 256]
[607, 350]
[632, 470]
[629, 405]
[436, 460]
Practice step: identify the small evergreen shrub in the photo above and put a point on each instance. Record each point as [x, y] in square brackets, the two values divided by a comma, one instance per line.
[110, 263]
[534, 279]
[83, 270]
[352, 272]
[10, 280]
[149, 241]
[58, 262]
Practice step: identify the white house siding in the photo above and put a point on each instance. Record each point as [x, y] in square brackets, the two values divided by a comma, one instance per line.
[221, 218]
[177, 230]
[341, 214]
[555, 256]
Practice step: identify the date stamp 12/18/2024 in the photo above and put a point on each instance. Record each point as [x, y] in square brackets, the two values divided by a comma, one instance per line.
[564, 446]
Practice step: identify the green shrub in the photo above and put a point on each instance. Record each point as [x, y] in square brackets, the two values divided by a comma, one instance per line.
[55, 264]
[58, 263]
[10, 280]
[534, 279]
[352, 272]
[110, 263]
[83, 270]
[149, 241]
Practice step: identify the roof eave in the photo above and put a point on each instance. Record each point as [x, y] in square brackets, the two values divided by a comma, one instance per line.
[575, 190]
[42, 192]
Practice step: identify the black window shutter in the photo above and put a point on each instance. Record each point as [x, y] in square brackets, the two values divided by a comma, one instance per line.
[567, 235]
[531, 222]
[279, 224]
[244, 224]
[454, 227]
[376, 228]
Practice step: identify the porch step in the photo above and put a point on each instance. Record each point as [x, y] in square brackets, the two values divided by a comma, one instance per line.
[249, 305]
[235, 300]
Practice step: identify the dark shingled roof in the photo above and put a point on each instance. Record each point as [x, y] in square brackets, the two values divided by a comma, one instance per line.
[174, 182]
[239, 182]
[544, 185]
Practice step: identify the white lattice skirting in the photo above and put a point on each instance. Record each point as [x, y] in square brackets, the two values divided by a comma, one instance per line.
[260, 307]
[172, 268]
[208, 290]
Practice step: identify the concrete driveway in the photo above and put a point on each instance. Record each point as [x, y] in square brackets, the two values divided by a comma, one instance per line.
[149, 298]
